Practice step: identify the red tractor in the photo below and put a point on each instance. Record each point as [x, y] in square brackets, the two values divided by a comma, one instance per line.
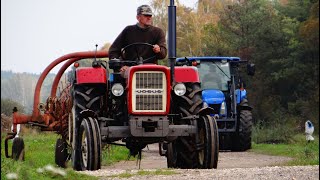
[148, 104]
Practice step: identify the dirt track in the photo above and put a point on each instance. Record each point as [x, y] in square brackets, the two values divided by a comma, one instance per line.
[231, 165]
[152, 160]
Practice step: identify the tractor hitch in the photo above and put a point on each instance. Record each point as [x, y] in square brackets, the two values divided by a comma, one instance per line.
[9, 136]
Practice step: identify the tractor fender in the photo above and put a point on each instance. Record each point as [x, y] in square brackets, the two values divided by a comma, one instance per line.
[91, 75]
[186, 74]
[87, 113]
[206, 111]
[241, 94]
[244, 105]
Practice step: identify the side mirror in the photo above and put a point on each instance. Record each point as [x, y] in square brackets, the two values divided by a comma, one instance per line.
[251, 69]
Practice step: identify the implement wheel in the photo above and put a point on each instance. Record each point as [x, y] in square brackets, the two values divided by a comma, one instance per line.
[61, 153]
[18, 149]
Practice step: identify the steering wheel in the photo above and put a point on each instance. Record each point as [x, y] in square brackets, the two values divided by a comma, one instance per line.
[138, 51]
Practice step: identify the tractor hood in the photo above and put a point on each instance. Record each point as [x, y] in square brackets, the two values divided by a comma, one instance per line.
[213, 96]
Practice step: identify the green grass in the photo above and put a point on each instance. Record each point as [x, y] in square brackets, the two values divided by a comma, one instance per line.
[112, 154]
[145, 173]
[39, 152]
[302, 152]
[157, 172]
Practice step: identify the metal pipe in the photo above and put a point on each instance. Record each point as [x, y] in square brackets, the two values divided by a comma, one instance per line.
[59, 75]
[80, 55]
[46, 118]
[172, 37]
[6, 151]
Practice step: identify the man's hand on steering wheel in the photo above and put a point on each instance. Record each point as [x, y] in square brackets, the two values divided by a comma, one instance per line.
[156, 48]
[124, 68]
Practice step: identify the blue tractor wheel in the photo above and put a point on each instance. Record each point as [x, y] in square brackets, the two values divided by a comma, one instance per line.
[242, 139]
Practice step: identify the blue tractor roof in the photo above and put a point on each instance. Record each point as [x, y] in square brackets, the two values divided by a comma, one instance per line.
[209, 58]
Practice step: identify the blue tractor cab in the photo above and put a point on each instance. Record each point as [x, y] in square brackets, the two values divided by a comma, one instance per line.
[223, 90]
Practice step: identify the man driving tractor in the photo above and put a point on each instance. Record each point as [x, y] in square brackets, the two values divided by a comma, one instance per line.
[142, 32]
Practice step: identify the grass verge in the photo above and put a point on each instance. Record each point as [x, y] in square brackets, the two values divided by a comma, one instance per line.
[302, 152]
[39, 153]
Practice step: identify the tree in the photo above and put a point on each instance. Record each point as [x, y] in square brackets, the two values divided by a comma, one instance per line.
[7, 106]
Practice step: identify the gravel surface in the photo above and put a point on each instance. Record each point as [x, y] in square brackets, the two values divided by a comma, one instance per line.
[259, 173]
[231, 165]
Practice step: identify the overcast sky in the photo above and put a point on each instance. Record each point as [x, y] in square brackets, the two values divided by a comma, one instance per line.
[36, 32]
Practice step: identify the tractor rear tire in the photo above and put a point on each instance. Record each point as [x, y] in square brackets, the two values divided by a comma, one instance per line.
[61, 153]
[190, 103]
[88, 97]
[242, 140]
[18, 149]
[89, 143]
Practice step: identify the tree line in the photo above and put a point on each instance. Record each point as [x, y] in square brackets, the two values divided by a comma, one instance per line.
[281, 37]
[17, 89]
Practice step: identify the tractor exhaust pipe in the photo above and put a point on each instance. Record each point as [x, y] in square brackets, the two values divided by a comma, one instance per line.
[172, 38]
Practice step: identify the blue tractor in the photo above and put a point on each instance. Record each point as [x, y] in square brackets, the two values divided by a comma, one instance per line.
[223, 90]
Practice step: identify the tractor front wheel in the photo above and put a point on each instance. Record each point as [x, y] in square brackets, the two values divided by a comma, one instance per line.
[89, 144]
[187, 152]
[171, 155]
[209, 143]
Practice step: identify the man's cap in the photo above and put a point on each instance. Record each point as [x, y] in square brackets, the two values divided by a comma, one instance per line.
[144, 10]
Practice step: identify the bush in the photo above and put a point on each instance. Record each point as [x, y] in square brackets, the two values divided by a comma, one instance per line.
[281, 130]
[7, 106]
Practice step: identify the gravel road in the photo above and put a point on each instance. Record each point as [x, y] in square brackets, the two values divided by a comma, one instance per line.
[231, 165]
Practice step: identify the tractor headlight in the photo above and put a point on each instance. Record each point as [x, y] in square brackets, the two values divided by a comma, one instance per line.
[117, 89]
[223, 109]
[179, 89]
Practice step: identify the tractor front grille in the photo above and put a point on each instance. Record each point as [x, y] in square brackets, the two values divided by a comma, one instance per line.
[149, 91]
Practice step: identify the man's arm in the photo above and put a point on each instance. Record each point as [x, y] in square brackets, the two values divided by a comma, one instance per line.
[115, 48]
[161, 42]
